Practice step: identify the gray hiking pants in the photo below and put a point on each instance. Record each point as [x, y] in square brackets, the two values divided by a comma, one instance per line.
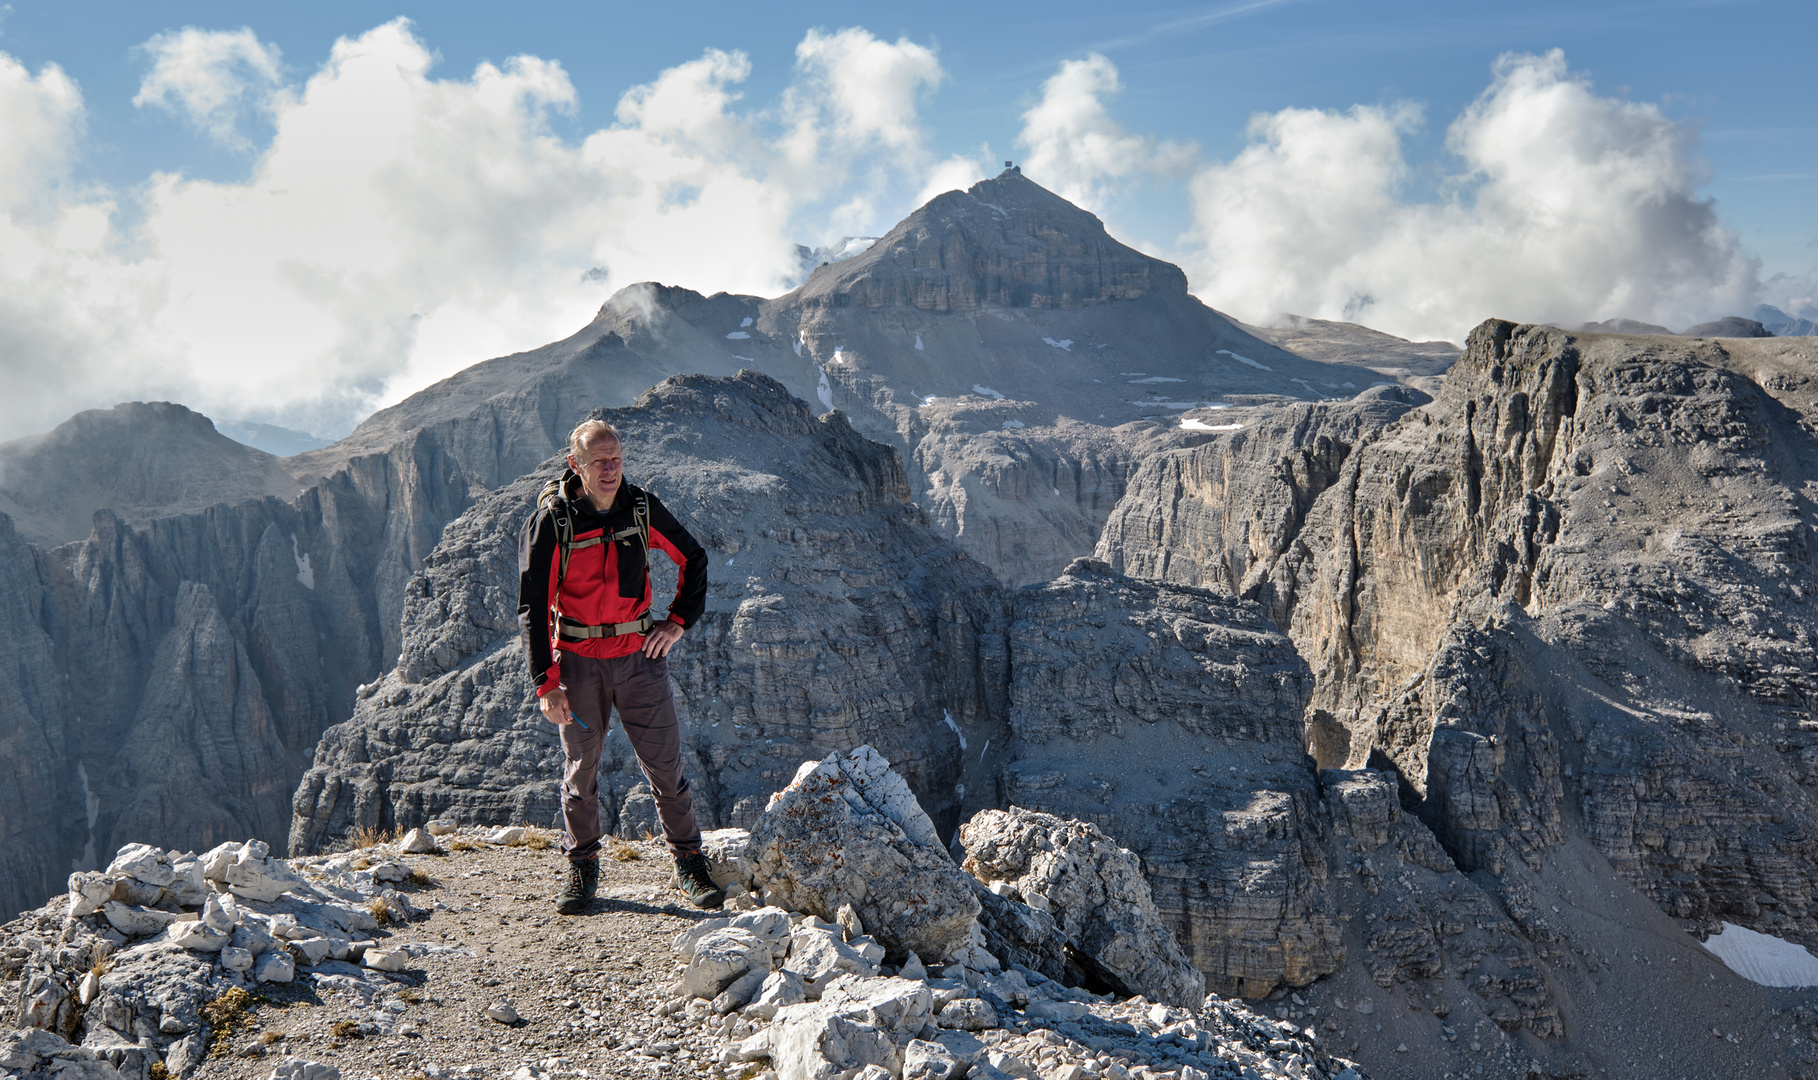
[639, 688]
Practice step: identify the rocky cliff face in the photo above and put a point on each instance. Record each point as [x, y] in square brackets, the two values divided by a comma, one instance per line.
[1565, 605]
[1170, 717]
[170, 680]
[835, 618]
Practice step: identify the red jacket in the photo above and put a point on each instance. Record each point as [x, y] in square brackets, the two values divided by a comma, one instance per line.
[606, 583]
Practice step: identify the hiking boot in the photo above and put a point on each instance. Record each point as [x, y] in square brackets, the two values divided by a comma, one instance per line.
[696, 883]
[578, 891]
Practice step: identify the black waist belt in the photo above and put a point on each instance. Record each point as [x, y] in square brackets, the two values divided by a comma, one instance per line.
[575, 631]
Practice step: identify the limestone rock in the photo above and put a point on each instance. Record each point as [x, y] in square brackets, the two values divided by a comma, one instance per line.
[35, 1054]
[722, 956]
[274, 966]
[300, 1069]
[198, 936]
[144, 863]
[781, 987]
[89, 891]
[385, 959]
[417, 842]
[137, 921]
[847, 830]
[854, 1025]
[254, 874]
[819, 956]
[1095, 891]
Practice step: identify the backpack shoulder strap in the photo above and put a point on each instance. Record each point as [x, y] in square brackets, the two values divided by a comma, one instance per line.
[555, 500]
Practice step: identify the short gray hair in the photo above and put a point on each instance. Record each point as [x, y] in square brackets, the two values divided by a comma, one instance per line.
[587, 431]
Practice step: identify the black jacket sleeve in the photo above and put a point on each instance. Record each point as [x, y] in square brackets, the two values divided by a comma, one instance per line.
[667, 534]
[536, 547]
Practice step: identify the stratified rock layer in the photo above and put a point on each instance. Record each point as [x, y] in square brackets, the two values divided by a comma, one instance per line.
[1169, 716]
[1566, 605]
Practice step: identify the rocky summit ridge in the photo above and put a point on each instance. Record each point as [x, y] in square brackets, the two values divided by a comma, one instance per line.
[394, 959]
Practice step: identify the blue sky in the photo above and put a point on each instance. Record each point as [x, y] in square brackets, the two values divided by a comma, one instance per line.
[1692, 101]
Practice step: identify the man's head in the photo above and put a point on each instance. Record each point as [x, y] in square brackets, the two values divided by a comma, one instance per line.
[594, 453]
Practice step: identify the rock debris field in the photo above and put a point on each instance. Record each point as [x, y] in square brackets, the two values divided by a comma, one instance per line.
[440, 955]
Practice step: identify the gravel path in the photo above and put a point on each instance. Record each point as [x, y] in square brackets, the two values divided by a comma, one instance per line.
[589, 989]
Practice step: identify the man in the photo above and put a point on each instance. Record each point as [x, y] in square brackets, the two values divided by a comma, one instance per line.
[584, 596]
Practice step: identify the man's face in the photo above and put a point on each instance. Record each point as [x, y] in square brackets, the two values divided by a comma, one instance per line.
[600, 466]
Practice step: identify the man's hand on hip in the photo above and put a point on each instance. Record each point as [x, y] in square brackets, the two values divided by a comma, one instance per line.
[555, 707]
[661, 639]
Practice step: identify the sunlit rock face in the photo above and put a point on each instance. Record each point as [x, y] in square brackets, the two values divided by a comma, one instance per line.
[835, 618]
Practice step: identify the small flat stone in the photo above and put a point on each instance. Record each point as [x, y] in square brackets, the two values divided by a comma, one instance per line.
[503, 1013]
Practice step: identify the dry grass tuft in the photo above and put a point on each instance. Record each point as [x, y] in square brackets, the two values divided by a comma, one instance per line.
[619, 851]
[158, 1071]
[228, 1014]
[345, 1029]
[367, 836]
[420, 877]
[410, 996]
[535, 839]
[270, 1037]
[462, 845]
[380, 912]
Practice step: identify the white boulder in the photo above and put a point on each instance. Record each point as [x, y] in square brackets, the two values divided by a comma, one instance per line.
[819, 957]
[313, 950]
[847, 830]
[137, 921]
[187, 886]
[385, 959]
[1094, 891]
[418, 842]
[859, 1022]
[89, 891]
[236, 960]
[217, 859]
[780, 988]
[254, 874]
[924, 1060]
[722, 956]
[142, 862]
[275, 966]
[220, 912]
[197, 936]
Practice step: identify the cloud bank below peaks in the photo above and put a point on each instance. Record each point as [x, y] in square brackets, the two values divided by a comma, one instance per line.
[400, 226]
[1565, 207]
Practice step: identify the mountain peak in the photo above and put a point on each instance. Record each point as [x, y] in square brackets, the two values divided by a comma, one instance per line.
[1004, 242]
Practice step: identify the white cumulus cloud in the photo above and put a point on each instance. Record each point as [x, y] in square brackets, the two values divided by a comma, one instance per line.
[1567, 207]
[399, 225]
[1074, 147]
[211, 78]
